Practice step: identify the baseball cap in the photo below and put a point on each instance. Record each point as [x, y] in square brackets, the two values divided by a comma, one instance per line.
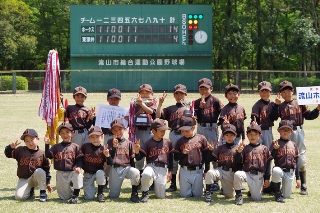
[117, 122]
[95, 130]
[65, 125]
[254, 126]
[114, 93]
[159, 124]
[264, 85]
[186, 123]
[146, 87]
[229, 128]
[286, 124]
[29, 132]
[205, 82]
[180, 88]
[285, 84]
[80, 90]
[231, 86]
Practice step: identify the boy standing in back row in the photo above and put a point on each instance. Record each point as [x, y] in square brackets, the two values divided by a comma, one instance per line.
[292, 111]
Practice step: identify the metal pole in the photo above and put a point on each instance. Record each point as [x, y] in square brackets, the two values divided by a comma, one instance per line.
[14, 83]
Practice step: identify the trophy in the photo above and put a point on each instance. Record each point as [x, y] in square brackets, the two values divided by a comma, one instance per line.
[187, 104]
[142, 119]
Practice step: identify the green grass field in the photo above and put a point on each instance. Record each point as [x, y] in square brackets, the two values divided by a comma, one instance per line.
[20, 111]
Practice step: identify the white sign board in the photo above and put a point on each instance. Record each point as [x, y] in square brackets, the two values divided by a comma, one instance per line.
[308, 95]
[107, 113]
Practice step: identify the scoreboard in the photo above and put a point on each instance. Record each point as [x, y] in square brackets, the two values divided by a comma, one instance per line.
[140, 37]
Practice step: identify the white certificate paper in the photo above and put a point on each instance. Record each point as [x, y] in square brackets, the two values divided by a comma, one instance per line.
[107, 113]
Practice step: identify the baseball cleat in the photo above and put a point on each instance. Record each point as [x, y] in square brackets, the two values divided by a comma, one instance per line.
[208, 196]
[303, 191]
[279, 197]
[134, 197]
[215, 187]
[239, 200]
[101, 198]
[145, 197]
[172, 188]
[43, 197]
[73, 199]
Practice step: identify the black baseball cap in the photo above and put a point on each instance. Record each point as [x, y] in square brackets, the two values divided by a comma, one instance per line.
[180, 88]
[146, 87]
[205, 82]
[159, 124]
[285, 124]
[29, 132]
[264, 85]
[229, 128]
[285, 85]
[114, 93]
[117, 122]
[65, 125]
[80, 90]
[254, 126]
[95, 130]
[186, 123]
[231, 87]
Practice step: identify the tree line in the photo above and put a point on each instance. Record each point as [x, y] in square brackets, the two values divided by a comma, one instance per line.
[247, 34]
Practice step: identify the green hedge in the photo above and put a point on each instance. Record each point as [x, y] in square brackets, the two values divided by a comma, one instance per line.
[6, 83]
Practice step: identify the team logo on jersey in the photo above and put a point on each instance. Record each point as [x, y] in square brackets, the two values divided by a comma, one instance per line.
[114, 92]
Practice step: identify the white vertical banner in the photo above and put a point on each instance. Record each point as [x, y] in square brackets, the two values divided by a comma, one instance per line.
[308, 95]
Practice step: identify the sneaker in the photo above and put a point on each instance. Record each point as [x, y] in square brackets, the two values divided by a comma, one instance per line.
[145, 197]
[134, 197]
[239, 200]
[151, 188]
[303, 190]
[73, 199]
[208, 196]
[279, 197]
[43, 197]
[31, 193]
[215, 187]
[101, 198]
[172, 188]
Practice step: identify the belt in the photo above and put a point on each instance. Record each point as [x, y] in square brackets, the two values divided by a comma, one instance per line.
[254, 172]
[266, 128]
[191, 168]
[297, 127]
[142, 127]
[207, 124]
[79, 130]
[177, 132]
[225, 168]
[287, 170]
[91, 173]
[158, 164]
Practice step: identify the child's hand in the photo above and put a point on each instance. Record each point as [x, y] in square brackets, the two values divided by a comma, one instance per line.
[318, 107]
[14, 144]
[298, 184]
[126, 118]
[278, 99]
[46, 139]
[161, 99]
[276, 144]
[136, 146]
[139, 100]
[186, 150]
[92, 113]
[241, 146]
[254, 120]
[106, 151]
[212, 145]
[49, 188]
[202, 102]
[115, 141]
[266, 184]
[226, 121]
[169, 176]
[77, 170]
